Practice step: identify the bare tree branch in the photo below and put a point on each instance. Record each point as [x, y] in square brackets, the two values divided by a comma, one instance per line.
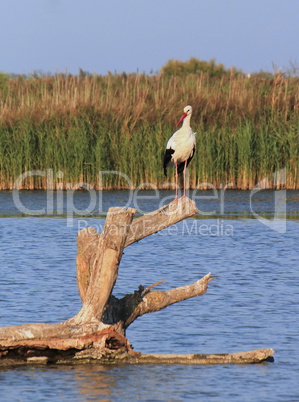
[104, 264]
[89, 241]
[252, 356]
[158, 300]
[97, 332]
[160, 219]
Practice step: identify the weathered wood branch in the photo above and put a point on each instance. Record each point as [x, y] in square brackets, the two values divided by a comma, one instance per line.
[67, 341]
[160, 219]
[104, 263]
[252, 356]
[97, 332]
[157, 300]
[89, 239]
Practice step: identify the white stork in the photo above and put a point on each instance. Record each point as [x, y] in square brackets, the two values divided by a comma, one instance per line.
[180, 148]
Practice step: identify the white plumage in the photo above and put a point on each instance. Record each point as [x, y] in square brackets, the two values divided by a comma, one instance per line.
[180, 148]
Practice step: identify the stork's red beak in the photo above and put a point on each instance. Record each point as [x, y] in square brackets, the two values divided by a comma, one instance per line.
[181, 119]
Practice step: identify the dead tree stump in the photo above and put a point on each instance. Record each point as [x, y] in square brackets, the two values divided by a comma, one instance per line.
[97, 332]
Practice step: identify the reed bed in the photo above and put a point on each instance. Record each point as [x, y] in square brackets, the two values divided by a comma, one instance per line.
[66, 129]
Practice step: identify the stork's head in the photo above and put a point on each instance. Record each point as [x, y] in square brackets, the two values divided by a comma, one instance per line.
[187, 112]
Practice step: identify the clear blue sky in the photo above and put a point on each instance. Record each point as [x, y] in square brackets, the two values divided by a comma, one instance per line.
[131, 35]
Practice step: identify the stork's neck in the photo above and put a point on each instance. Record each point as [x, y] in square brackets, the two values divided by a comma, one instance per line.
[186, 122]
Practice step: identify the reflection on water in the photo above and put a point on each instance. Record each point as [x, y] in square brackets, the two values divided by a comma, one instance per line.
[210, 203]
[95, 381]
[253, 303]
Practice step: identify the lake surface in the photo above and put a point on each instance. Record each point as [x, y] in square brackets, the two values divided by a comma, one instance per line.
[248, 241]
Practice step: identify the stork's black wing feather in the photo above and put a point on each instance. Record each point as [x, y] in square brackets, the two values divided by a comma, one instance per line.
[167, 159]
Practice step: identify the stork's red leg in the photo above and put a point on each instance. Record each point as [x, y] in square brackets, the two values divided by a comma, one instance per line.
[185, 170]
[176, 181]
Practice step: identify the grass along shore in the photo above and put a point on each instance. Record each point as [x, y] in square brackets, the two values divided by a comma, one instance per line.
[77, 126]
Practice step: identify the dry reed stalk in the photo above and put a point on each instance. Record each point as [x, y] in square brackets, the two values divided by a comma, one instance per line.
[50, 122]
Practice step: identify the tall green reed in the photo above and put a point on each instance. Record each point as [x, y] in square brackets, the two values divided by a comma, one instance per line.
[247, 128]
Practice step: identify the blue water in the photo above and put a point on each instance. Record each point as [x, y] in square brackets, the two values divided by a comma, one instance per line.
[252, 303]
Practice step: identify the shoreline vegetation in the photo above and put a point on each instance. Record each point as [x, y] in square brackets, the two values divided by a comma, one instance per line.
[77, 126]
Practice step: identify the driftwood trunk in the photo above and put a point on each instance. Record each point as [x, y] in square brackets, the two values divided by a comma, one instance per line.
[97, 332]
